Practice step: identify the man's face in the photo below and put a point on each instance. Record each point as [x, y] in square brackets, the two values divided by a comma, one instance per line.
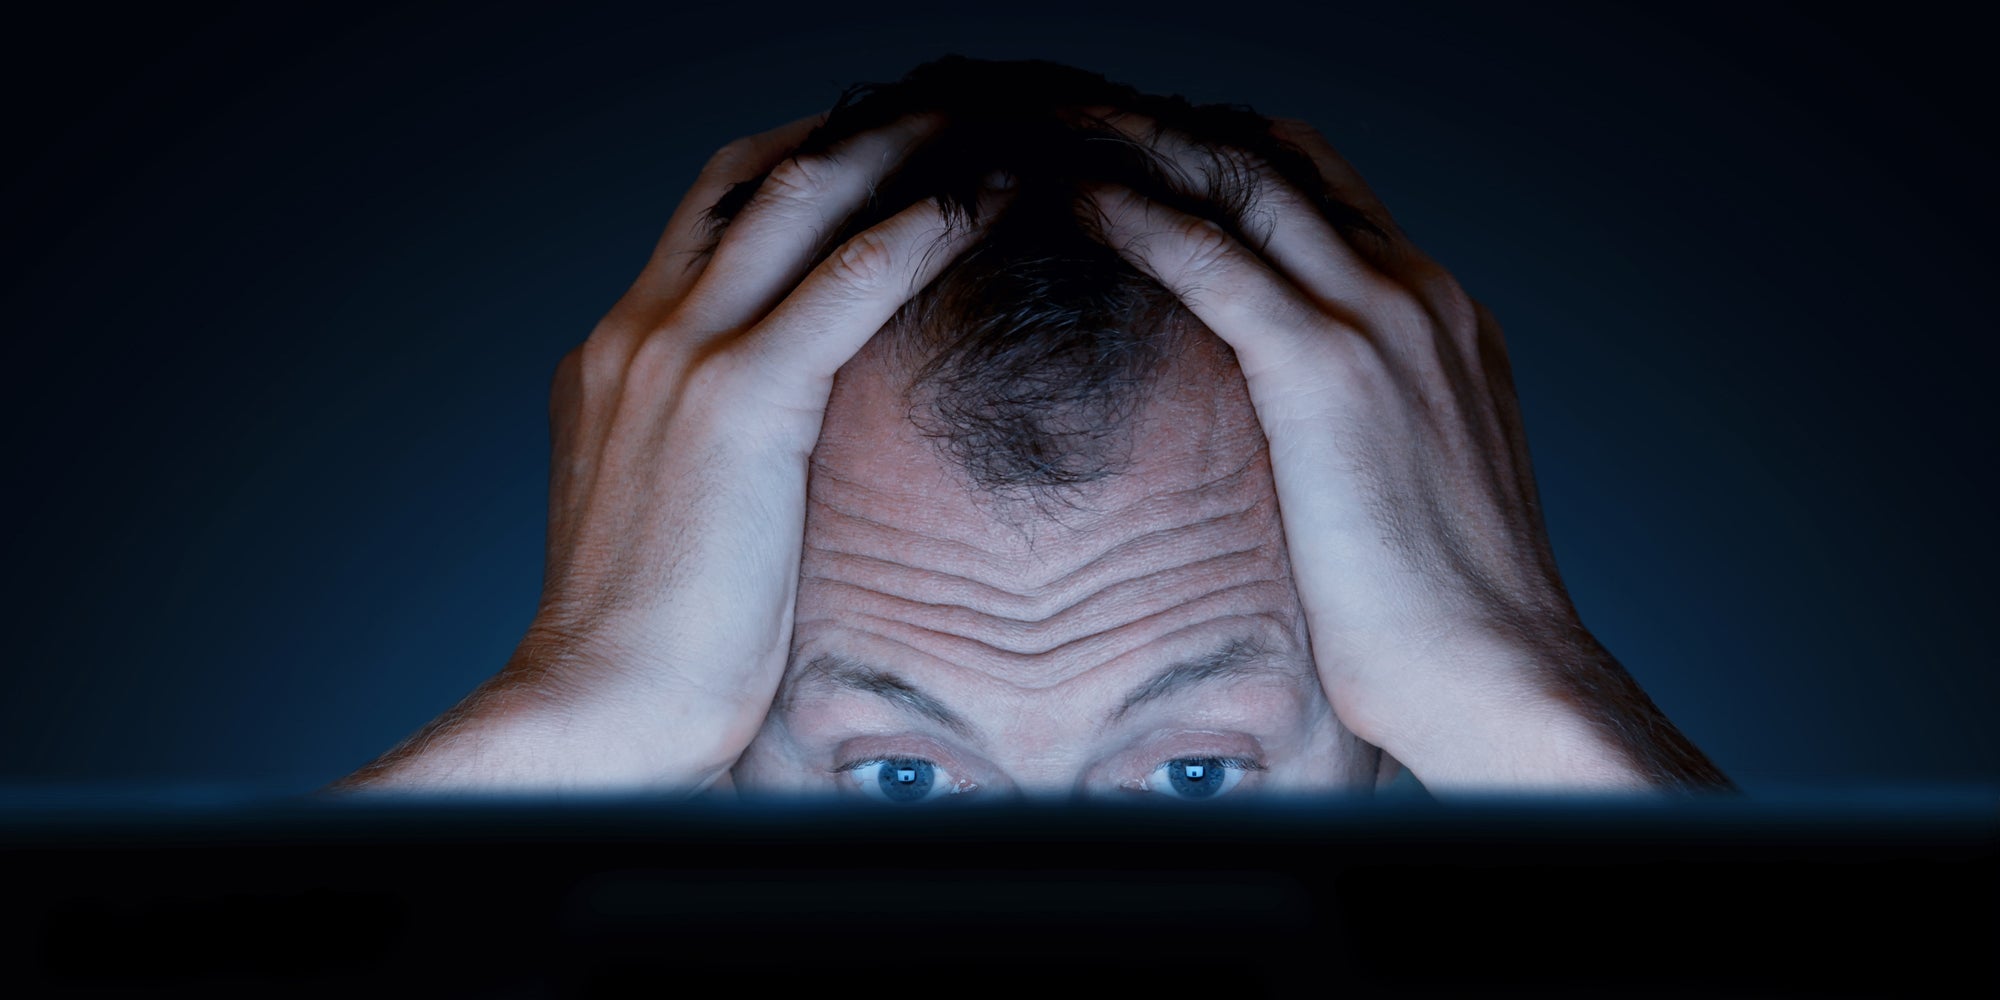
[1146, 640]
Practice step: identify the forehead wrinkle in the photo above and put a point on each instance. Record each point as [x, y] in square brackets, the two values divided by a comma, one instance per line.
[1046, 617]
[817, 500]
[1056, 648]
[1041, 672]
[1148, 606]
[888, 519]
[1047, 597]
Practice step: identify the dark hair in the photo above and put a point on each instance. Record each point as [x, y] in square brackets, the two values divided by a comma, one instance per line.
[1030, 351]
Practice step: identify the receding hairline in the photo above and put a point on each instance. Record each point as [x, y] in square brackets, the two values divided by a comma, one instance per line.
[1027, 356]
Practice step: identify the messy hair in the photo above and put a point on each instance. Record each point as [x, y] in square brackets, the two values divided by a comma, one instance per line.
[1029, 353]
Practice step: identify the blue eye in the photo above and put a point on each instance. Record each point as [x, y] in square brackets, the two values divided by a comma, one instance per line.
[1199, 777]
[899, 779]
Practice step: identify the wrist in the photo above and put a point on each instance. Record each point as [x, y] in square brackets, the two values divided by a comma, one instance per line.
[1478, 711]
[560, 726]
[611, 723]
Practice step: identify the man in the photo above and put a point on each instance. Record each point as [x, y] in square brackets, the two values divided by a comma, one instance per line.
[1157, 462]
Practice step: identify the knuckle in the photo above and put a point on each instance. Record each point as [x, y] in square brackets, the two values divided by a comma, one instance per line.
[864, 263]
[616, 330]
[569, 371]
[1454, 308]
[1205, 246]
[570, 363]
[732, 158]
[1395, 304]
[566, 385]
[1114, 201]
[657, 362]
[1293, 128]
[600, 361]
[1447, 293]
[798, 178]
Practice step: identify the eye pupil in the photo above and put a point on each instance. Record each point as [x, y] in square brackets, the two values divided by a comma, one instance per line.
[906, 780]
[1195, 778]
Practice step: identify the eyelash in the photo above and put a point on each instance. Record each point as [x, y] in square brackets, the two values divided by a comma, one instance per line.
[1238, 763]
[856, 765]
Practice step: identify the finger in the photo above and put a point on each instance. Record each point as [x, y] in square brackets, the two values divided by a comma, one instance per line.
[1283, 223]
[1382, 241]
[771, 244]
[1260, 313]
[857, 290]
[1454, 346]
[589, 381]
[677, 259]
[1343, 181]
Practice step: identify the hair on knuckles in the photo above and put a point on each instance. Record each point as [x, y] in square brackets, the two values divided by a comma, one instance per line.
[1029, 353]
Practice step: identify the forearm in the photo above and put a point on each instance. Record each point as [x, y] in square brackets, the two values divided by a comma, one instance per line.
[1532, 715]
[527, 730]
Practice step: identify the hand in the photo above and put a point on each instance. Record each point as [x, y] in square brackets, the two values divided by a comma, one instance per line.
[681, 431]
[1441, 630]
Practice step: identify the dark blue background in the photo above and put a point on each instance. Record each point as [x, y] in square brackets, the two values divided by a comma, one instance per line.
[283, 293]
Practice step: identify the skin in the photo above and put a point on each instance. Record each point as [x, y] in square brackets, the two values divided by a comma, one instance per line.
[681, 430]
[1440, 627]
[1035, 630]
[1401, 590]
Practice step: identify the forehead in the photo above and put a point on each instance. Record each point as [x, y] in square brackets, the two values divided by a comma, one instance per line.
[907, 561]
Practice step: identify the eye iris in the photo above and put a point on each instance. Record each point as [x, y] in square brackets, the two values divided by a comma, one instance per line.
[1196, 777]
[906, 780]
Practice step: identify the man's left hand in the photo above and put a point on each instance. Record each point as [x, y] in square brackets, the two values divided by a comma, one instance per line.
[1441, 629]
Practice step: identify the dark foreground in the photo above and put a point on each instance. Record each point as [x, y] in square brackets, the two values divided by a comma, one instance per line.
[1877, 895]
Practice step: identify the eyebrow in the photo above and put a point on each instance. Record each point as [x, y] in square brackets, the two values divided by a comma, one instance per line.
[1235, 659]
[856, 676]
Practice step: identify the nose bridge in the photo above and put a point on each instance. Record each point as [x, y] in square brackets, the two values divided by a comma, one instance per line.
[1046, 744]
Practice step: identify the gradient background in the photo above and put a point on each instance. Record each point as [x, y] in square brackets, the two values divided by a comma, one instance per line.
[284, 291]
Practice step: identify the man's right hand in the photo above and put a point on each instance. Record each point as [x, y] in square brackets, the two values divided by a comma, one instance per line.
[681, 431]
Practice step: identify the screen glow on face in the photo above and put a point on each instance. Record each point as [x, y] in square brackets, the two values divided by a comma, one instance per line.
[913, 780]
[1142, 641]
[1215, 720]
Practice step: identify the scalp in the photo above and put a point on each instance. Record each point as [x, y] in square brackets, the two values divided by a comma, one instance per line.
[1028, 356]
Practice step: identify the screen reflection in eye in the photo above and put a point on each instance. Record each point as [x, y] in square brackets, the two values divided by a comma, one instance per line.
[908, 780]
[901, 779]
[1194, 778]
